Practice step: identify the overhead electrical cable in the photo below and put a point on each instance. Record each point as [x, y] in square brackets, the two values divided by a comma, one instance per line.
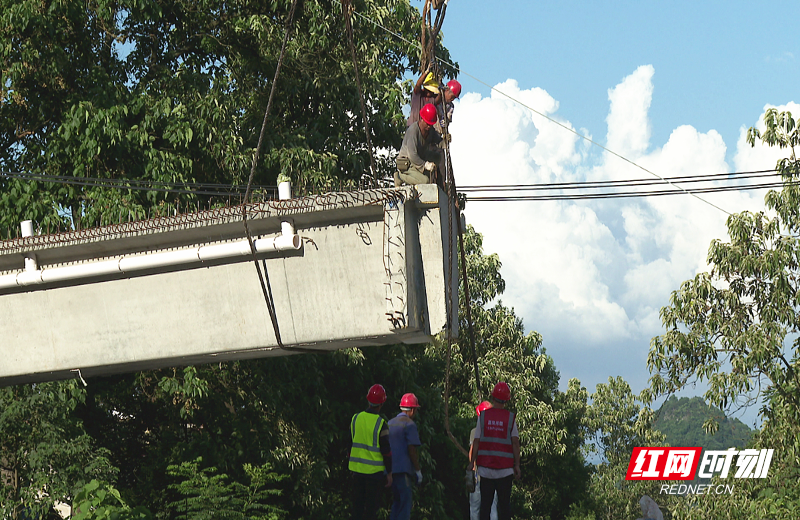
[569, 129]
[222, 190]
[718, 177]
[628, 194]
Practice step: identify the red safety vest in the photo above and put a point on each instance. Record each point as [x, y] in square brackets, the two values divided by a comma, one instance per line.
[495, 450]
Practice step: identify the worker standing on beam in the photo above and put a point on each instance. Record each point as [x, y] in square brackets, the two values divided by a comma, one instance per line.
[406, 473]
[370, 456]
[420, 153]
[496, 453]
[425, 91]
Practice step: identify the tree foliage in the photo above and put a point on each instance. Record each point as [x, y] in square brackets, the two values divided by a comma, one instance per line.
[98, 501]
[619, 421]
[736, 329]
[206, 494]
[681, 421]
[731, 327]
[173, 91]
[45, 453]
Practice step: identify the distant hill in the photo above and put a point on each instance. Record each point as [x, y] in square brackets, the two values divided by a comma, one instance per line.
[681, 420]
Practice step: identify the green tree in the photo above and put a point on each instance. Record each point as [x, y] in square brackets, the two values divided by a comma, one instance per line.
[681, 421]
[45, 454]
[736, 328]
[98, 501]
[174, 91]
[206, 494]
[729, 327]
[619, 421]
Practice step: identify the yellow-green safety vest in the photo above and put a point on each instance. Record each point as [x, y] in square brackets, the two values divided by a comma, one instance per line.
[365, 455]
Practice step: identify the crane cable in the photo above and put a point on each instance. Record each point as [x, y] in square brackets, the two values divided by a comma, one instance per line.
[552, 120]
[452, 207]
[264, 278]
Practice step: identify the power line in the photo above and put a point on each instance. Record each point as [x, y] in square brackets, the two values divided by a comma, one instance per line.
[623, 194]
[734, 176]
[569, 129]
[225, 190]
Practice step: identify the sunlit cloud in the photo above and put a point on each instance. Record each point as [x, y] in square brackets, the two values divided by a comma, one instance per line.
[592, 275]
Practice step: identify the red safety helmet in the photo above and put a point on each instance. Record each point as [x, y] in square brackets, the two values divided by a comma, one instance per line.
[455, 87]
[409, 401]
[483, 406]
[376, 395]
[501, 392]
[428, 114]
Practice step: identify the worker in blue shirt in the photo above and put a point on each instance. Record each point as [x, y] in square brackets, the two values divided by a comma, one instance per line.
[404, 439]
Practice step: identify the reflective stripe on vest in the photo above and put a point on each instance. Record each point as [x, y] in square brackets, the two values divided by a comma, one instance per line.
[365, 455]
[495, 449]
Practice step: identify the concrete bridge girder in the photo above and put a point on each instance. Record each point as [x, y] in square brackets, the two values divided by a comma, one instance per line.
[372, 270]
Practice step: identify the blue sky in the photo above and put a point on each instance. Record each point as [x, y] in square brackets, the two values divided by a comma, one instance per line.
[670, 85]
[716, 63]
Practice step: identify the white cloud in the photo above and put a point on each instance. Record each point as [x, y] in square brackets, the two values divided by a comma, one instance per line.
[628, 124]
[591, 276]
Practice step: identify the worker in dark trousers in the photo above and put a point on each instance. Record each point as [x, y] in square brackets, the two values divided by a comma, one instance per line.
[406, 473]
[420, 154]
[475, 496]
[425, 91]
[495, 452]
[370, 456]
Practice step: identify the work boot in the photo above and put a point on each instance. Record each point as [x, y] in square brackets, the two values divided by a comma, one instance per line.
[397, 181]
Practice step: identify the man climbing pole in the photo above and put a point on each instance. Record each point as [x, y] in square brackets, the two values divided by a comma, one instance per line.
[425, 91]
[370, 456]
[496, 453]
[444, 105]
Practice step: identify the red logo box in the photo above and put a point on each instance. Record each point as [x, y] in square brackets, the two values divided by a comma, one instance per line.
[663, 463]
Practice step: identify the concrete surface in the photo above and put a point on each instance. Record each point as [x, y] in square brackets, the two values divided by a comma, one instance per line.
[373, 270]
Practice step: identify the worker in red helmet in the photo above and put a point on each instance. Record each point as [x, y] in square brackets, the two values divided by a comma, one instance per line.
[420, 155]
[406, 473]
[495, 452]
[445, 106]
[370, 456]
[475, 495]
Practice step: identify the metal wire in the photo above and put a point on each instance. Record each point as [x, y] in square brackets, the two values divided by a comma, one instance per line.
[265, 286]
[571, 130]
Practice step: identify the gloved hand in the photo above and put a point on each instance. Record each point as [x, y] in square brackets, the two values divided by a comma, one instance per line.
[419, 477]
[446, 137]
[429, 166]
